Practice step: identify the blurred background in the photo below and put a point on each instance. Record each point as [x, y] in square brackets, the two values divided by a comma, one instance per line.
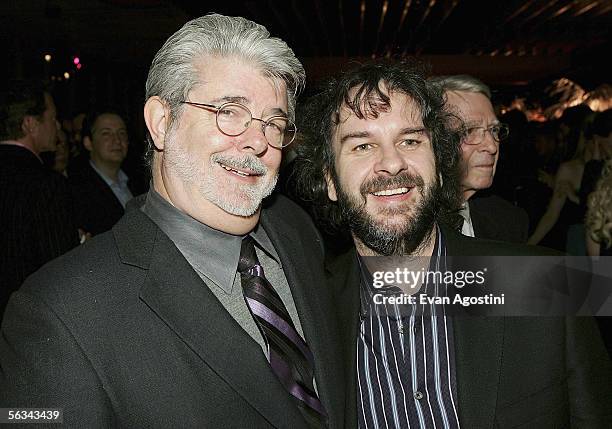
[538, 55]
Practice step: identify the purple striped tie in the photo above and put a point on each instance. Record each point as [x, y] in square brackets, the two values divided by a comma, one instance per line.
[290, 358]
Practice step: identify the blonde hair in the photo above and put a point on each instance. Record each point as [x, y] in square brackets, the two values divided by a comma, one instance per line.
[599, 213]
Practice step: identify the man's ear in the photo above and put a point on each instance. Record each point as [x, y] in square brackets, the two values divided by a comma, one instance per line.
[28, 125]
[331, 188]
[87, 143]
[156, 116]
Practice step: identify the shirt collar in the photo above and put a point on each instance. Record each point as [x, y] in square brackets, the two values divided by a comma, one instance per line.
[16, 143]
[122, 178]
[211, 252]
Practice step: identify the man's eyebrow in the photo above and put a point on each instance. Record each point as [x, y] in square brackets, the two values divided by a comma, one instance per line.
[277, 111]
[409, 130]
[355, 135]
[109, 129]
[231, 99]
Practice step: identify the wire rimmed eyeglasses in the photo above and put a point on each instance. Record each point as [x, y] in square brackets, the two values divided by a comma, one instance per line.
[475, 135]
[233, 119]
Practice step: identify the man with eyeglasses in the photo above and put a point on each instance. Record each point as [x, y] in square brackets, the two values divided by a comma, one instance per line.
[204, 307]
[101, 189]
[484, 215]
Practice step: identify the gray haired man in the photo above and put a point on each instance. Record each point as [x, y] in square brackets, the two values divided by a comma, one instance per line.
[201, 308]
[484, 215]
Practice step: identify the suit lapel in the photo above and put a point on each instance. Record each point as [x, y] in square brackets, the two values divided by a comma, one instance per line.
[314, 308]
[478, 222]
[344, 279]
[478, 355]
[177, 295]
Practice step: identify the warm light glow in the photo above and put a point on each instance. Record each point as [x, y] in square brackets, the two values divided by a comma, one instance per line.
[600, 98]
[47, 57]
[66, 75]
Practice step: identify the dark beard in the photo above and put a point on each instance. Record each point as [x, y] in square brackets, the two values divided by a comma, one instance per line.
[400, 240]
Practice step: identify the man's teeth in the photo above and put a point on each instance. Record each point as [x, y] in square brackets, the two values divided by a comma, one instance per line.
[389, 192]
[240, 173]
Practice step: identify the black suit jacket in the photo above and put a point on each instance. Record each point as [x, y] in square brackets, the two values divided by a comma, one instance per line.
[123, 333]
[548, 372]
[494, 218]
[35, 217]
[96, 207]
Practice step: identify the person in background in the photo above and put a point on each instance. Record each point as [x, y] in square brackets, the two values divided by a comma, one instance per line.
[601, 130]
[100, 188]
[599, 235]
[484, 215]
[61, 156]
[35, 204]
[564, 207]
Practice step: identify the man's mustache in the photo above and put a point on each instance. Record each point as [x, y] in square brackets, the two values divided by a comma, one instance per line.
[380, 183]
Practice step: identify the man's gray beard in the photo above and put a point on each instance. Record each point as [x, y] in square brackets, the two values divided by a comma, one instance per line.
[242, 199]
[388, 240]
[238, 199]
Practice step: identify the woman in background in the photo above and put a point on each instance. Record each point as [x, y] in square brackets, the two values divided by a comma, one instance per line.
[599, 236]
[599, 216]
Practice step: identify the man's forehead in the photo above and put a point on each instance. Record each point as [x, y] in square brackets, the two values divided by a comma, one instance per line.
[470, 105]
[108, 120]
[408, 108]
[223, 79]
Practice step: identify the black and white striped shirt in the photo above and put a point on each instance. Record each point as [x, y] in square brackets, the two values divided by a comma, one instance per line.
[405, 359]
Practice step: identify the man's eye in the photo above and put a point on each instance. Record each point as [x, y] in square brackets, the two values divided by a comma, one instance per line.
[409, 143]
[226, 112]
[362, 147]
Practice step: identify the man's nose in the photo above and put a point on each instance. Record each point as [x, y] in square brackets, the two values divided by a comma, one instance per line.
[488, 143]
[390, 161]
[253, 139]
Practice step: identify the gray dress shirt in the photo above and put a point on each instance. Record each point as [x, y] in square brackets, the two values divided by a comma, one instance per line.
[214, 257]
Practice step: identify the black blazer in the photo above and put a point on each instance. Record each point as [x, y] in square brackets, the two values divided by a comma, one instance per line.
[123, 333]
[96, 207]
[35, 217]
[494, 218]
[511, 371]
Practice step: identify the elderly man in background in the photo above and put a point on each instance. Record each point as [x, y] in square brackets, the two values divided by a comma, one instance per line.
[484, 215]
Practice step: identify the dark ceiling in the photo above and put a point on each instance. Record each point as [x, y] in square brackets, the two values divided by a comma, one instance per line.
[506, 42]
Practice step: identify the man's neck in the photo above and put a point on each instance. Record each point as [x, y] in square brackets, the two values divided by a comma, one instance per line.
[467, 194]
[109, 170]
[208, 213]
[28, 143]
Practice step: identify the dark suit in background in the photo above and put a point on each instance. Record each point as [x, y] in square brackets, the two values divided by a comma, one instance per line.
[97, 208]
[35, 217]
[536, 372]
[122, 332]
[494, 218]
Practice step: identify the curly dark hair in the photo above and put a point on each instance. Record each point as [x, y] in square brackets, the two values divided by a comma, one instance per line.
[365, 91]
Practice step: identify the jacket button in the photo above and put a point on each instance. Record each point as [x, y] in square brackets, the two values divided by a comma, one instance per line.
[418, 395]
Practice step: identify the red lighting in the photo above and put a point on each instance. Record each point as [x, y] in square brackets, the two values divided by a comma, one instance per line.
[76, 60]
[79, 66]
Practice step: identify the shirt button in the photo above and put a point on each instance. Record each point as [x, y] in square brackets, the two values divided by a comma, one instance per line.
[418, 395]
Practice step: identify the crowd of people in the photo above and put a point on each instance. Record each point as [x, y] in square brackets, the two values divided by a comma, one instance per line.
[199, 297]
[57, 191]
